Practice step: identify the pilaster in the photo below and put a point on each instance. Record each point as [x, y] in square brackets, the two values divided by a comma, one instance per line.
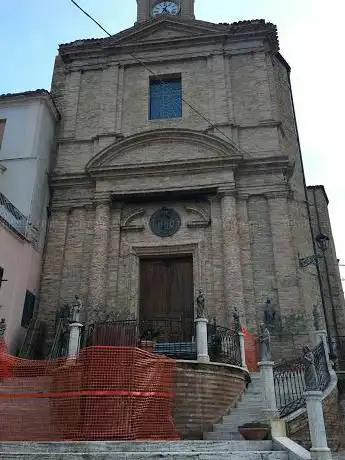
[233, 284]
[114, 256]
[71, 104]
[217, 257]
[246, 260]
[99, 262]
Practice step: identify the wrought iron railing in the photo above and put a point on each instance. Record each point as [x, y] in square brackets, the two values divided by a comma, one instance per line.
[224, 345]
[174, 338]
[321, 366]
[289, 386]
[12, 216]
[289, 380]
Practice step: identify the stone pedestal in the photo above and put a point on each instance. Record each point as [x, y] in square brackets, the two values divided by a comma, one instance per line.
[242, 348]
[268, 392]
[319, 450]
[201, 340]
[74, 339]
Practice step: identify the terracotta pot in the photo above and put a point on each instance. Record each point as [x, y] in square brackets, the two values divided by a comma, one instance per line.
[254, 434]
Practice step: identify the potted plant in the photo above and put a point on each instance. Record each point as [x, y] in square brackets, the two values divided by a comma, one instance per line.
[147, 339]
[255, 431]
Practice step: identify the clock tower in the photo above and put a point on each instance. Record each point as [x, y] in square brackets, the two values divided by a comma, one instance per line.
[148, 9]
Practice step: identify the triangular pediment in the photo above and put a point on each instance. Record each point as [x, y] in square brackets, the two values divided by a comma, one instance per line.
[167, 28]
[165, 148]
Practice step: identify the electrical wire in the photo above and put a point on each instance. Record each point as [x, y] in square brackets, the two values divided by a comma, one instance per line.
[191, 106]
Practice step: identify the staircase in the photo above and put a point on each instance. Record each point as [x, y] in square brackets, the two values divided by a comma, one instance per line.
[178, 450]
[249, 409]
[224, 443]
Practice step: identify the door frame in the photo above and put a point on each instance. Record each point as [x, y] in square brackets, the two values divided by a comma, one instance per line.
[176, 250]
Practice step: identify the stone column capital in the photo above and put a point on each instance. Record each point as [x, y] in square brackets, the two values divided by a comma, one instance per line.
[102, 198]
[242, 196]
[201, 320]
[227, 191]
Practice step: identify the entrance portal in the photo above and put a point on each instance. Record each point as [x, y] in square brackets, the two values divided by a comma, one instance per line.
[166, 297]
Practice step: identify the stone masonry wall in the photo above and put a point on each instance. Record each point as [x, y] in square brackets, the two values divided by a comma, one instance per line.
[329, 270]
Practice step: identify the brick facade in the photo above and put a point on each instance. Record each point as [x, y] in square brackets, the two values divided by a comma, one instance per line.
[203, 394]
[237, 182]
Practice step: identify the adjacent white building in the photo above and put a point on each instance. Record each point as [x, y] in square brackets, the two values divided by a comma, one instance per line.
[27, 133]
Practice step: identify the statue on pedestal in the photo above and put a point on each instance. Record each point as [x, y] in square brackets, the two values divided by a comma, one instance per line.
[200, 303]
[265, 343]
[75, 310]
[269, 315]
[310, 375]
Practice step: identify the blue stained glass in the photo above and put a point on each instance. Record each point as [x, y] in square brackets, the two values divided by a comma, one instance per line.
[165, 99]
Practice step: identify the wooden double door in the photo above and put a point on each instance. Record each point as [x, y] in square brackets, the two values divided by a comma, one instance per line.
[166, 297]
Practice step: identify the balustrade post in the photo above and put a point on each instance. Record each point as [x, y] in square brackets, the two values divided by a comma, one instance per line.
[268, 390]
[201, 340]
[319, 450]
[243, 351]
[74, 339]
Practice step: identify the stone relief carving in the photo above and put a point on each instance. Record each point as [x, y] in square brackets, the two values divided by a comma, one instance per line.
[200, 217]
[130, 215]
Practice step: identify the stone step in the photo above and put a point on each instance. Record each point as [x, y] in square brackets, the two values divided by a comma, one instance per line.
[236, 417]
[244, 406]
[178, 450]
[241, 455]
[132, 447]
[223, 436]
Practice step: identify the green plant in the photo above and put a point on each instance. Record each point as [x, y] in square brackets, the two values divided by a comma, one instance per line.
[150, 334]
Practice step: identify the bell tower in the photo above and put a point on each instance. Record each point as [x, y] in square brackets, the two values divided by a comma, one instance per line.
[148, 9]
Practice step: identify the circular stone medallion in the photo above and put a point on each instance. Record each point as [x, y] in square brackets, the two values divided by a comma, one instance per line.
[165, 222]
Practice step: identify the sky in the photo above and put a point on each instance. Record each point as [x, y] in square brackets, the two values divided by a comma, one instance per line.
[311, 39]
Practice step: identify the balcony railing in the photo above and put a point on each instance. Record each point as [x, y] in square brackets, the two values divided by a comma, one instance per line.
[12, 216]
[173, 338]
[224, 345]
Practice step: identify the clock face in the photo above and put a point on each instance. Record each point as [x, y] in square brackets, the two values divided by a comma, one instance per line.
[165, 8]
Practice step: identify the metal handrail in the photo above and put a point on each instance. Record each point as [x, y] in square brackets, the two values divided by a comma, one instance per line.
[224, 345]
[289, 380]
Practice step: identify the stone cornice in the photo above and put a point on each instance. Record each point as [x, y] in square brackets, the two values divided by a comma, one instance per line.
[278, 164]
[28, 97]
[140, 36]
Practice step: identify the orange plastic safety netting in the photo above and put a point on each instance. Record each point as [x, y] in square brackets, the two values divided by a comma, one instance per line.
[251, 345]
[106, 393]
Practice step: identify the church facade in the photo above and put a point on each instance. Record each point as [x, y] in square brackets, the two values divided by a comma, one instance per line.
[178, 169]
